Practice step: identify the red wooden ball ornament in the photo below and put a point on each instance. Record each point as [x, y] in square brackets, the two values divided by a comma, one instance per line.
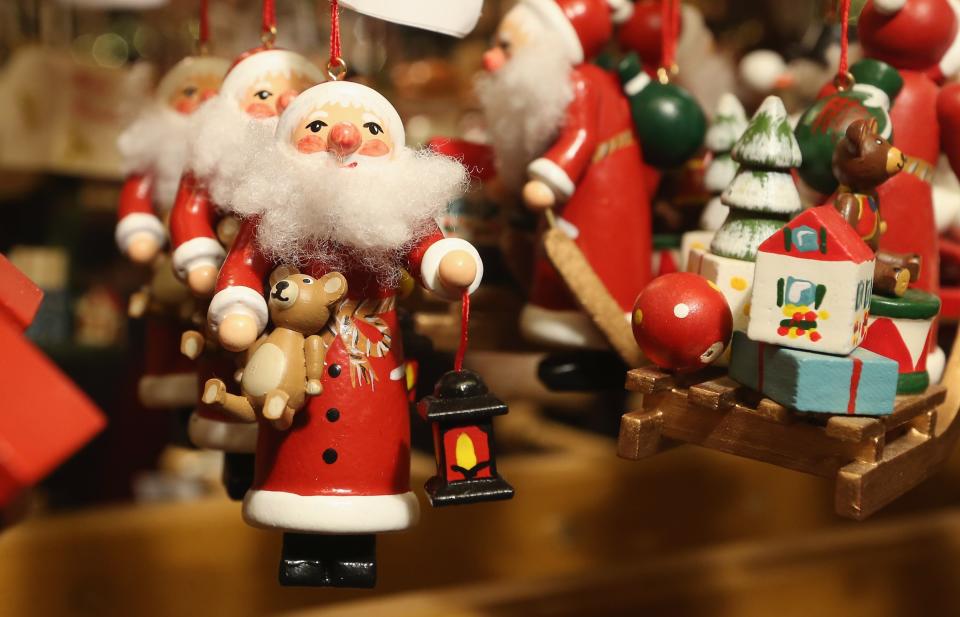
[682, 322]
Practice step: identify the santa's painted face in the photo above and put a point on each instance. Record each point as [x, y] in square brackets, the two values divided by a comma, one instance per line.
[518, 30]
[270, 94]
[194, 90]
[350, 134]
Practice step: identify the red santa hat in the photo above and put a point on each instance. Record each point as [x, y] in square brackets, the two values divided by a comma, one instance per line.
[912, 34]
[189, 66]
[345, 94]
[257, 63]
[584, 25]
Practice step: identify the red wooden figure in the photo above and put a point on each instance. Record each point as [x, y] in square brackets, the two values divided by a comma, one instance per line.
[258, 86]
[345, 195]
[919, 38]
[46, 418]
[563, 126]
[682, 321]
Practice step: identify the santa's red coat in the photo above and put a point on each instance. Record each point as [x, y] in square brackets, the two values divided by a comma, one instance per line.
[344, 464]
[596, 170]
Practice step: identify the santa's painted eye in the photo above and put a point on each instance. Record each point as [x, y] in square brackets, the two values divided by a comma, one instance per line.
[189, 91]
[373, 127]
[308, 281]
[263, 95]
[316, 125]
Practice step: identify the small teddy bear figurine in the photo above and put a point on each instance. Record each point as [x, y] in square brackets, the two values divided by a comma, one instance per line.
[284, 366]
[862, 161]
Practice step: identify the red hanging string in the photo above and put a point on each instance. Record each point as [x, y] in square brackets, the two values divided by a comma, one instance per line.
[334, 32]
[464, 328]
[670, 30]
[269, 20]
[204, 25]
[842, 70]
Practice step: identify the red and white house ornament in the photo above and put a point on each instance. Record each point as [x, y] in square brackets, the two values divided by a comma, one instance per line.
[812, 285]
[682, 321]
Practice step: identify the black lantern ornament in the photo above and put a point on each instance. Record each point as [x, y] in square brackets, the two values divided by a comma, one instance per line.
[461, 412]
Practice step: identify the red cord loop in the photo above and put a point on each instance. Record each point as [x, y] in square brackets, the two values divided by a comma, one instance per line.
[204, 37]
[268, 31]
[844, 79]
[464, 329]
[669, 33]
[336, 67]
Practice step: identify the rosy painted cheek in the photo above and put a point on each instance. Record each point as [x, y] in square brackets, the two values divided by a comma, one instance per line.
[311, 144]
[374, 147]
[261, 110]
[185, 106]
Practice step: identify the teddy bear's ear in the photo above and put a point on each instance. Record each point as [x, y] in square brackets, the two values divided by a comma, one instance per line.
[334, 285]
[282, 272]
[855, 135]
[873, 127]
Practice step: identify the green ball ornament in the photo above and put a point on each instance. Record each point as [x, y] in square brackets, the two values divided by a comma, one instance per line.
[668, 121]
[824, 123]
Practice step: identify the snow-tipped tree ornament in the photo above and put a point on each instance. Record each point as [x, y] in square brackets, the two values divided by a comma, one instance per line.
[762, 196]
[728, 124]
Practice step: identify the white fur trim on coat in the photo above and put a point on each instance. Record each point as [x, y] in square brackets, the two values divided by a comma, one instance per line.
[168, 391]
[224, 436]
[139, 222]
[430, 265]
[195, 253]
[620, 10]
[238, 300]
[330, 513]
[560, 328]
[551, 174]
[888, 7]
[553, 17]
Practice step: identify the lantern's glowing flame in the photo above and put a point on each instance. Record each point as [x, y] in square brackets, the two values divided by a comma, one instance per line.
[466, 455]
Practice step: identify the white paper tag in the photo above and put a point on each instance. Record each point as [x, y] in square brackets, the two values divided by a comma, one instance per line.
[454, 17]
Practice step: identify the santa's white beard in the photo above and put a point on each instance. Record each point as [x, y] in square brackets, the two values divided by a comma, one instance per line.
[224, 141]
[311, 210]
[524, 104]
[156, 144]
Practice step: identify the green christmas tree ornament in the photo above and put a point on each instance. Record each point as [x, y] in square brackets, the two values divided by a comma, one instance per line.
[762, 196]
[668, 121]
[823, 125]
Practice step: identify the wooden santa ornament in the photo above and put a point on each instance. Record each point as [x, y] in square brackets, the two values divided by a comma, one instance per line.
[336, 190]
[563, 135]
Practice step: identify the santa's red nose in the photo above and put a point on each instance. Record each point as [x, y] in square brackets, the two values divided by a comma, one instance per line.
[344, 139]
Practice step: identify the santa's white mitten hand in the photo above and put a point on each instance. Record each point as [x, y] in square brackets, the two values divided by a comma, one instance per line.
[458, 270]
[314, 387]
[202, 280]
[143, 247]
[538, 195]
[237, 332]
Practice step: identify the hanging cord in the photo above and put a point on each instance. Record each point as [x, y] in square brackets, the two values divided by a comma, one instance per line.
[844, 79]
[268, 31]
[669, 33]
[464, 328]
[336, 67]
[203, 40]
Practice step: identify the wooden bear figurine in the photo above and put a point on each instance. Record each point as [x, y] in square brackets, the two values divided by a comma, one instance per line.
[284, 366]
[862, 161]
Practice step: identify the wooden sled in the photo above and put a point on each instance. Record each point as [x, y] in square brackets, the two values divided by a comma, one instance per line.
[874, 459]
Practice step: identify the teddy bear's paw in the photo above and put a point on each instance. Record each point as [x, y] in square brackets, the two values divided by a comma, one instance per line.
[274, 404]
[214, 391]
[313, 387]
